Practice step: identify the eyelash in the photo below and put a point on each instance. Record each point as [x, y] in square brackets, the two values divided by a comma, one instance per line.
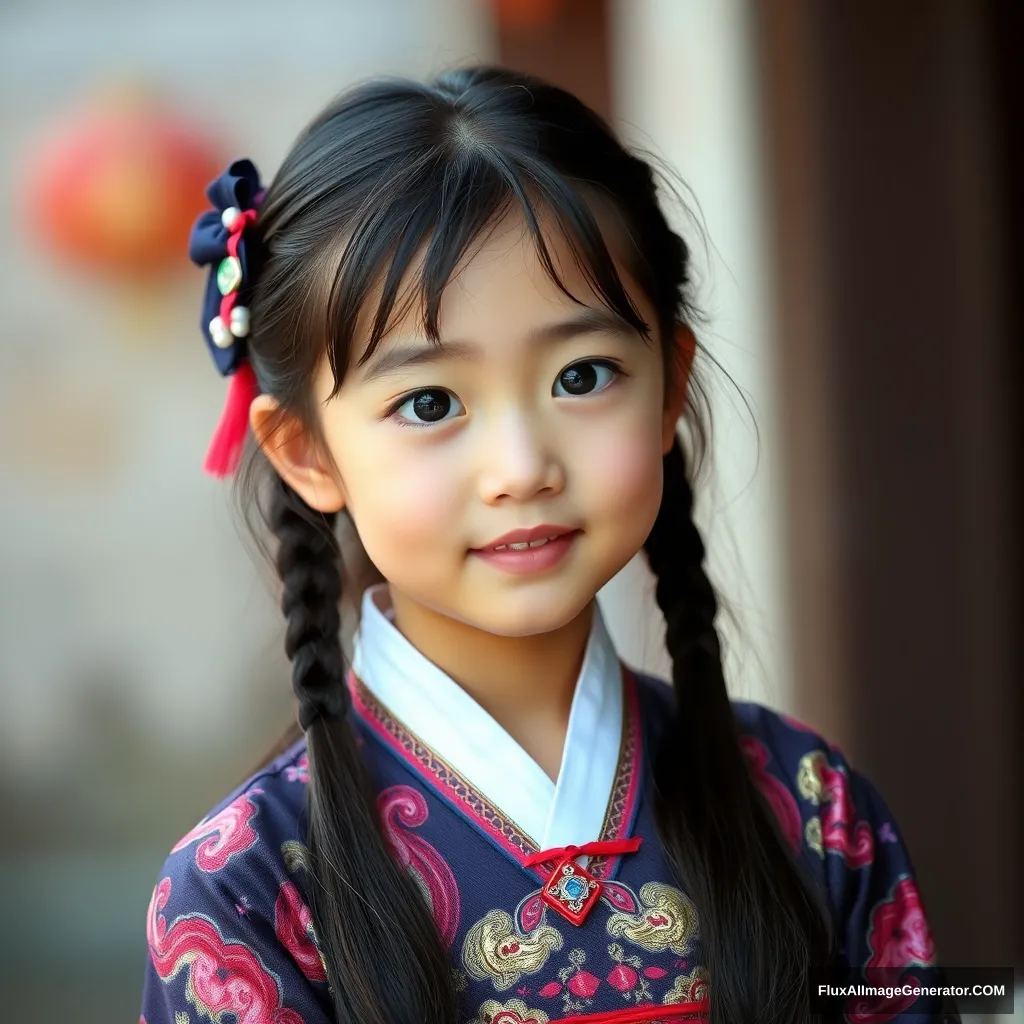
[608, 364]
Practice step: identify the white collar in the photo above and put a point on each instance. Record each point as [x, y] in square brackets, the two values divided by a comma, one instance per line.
[431, 705]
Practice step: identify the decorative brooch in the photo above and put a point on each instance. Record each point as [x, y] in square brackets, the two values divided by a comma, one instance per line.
[218, 241]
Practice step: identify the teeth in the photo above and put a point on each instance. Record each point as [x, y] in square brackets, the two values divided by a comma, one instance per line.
[523, 545]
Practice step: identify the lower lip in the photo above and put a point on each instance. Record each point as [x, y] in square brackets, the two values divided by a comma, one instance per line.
[530, 559]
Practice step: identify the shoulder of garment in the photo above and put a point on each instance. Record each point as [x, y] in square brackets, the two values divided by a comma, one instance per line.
[228, 926]
[842, 831]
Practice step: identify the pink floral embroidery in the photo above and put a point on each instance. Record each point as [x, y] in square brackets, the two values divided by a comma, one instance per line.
[293, 925]
[402, 808]
[622, 977]
[228, 832]
[223, 977]
[626, 978]
[899, 935]
[619, 896]
[298, 772]
[779, 798]
[837, 825]
[578, 982]
[877, 1009]
[583, 984]
[854, 841]
[899, 938]
[530, 912]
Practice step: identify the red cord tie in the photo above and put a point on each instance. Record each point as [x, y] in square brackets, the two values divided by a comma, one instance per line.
[571, 890]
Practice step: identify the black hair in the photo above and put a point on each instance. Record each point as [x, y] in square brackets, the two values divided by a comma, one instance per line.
[396, 168]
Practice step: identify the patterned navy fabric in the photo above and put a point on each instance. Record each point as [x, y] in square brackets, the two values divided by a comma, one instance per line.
[230, 934]
[239, 188]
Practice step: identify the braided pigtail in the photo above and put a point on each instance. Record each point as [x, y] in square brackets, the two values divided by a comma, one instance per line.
[368, 916]
[761, 925]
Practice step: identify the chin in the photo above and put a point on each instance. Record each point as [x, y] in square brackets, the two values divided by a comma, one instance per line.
[532, 614]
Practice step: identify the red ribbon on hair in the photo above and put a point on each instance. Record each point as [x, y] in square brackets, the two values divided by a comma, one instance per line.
[225, 451]
[241, 222]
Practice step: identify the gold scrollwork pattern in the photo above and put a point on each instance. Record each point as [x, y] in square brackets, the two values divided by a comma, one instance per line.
[689, 988]
[667, 920]
[494, 949]
[515, 1011]
[813, 837]
[809, 776]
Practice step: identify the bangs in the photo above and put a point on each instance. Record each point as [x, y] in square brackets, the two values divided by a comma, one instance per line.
[438, 215]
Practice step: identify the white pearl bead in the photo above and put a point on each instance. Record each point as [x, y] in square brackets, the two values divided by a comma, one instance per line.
[221, 336]
[229, 216]
[240, 321]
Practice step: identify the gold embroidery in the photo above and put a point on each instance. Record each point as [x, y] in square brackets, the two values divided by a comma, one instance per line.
[493, 949]
[808, 776]
[295, 855]
[812, 836]
[668, 920]
[515, 1011]
[689, 988]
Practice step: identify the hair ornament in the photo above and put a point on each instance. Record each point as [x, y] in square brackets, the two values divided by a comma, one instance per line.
[220, 240]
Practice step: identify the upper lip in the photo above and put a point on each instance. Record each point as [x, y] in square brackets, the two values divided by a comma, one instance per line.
[533, 533]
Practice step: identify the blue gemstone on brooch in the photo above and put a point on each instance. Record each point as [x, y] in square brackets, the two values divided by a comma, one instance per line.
[572, 891]
[574, 887]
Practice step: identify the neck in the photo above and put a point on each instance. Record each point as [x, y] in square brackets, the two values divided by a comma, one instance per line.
[525, 683]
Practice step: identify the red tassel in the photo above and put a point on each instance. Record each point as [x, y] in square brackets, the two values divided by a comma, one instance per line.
[225, 451]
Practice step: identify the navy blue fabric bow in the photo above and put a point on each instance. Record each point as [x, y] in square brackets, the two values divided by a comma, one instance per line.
[237, 189]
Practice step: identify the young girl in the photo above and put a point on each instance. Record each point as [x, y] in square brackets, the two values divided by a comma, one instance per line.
[458, 317]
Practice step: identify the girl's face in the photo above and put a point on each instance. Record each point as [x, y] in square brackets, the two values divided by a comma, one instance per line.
[538, 411]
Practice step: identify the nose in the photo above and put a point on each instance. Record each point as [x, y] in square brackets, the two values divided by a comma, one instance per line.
[520, 460]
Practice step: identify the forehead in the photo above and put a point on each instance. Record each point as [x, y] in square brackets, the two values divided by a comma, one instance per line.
[501, 291]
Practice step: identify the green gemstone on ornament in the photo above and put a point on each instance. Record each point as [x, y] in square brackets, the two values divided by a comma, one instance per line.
[229, 275]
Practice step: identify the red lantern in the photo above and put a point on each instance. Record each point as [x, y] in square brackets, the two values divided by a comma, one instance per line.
[117, 186]
[525, 15]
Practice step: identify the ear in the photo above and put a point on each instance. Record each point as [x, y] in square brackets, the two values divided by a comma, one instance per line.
[287, 444]
[684, 348]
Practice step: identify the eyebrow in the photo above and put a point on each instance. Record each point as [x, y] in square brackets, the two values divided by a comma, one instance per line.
[397, 357]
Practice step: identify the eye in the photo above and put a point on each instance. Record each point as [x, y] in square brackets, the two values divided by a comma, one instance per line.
[586, 377]
[430, 405]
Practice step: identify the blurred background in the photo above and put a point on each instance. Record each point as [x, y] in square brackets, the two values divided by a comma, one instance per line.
[855, 166]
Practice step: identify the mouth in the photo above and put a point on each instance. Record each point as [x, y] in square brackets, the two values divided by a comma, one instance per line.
[529, 552]
[522, 540]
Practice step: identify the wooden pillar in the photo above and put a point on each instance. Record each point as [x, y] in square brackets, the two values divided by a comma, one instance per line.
[883, 142]
[564, 41]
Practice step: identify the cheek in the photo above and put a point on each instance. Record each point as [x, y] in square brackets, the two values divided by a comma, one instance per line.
[624, 483]
[402, 505]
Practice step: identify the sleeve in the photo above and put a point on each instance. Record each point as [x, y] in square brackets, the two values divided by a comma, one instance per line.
[883, 928]
[230, 939]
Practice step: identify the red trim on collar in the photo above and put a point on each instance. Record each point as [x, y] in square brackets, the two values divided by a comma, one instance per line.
[491, 820]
